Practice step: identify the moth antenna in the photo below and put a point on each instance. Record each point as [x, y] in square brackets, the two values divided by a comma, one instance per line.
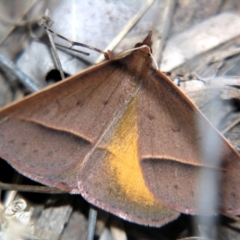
[46, 22]
[72, 49]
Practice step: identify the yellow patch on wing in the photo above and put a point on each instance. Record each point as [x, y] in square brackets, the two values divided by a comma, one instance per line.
[123, 160]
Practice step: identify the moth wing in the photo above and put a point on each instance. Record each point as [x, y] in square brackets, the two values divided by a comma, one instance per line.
[47, 135]
[171, 153]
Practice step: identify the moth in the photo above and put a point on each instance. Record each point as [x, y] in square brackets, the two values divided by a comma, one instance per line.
[123, 136]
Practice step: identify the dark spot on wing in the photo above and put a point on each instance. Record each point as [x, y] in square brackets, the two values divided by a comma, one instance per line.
[233, 194]
[35, 151]
[78, 103]
[105, 102]
[176, 129]
[50, 154]
[150, 117]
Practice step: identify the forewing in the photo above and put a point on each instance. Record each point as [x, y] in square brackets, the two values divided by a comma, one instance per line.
[47, 135]
[170, 148]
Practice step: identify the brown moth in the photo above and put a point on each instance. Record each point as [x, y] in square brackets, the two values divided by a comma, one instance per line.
[123, 136]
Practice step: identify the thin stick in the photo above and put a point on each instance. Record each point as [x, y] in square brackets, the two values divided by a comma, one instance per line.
[161, 31]
[92, 219]
[30, 188]
[23, 78]
[229, 127]
[127, 28]
[55, 54]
